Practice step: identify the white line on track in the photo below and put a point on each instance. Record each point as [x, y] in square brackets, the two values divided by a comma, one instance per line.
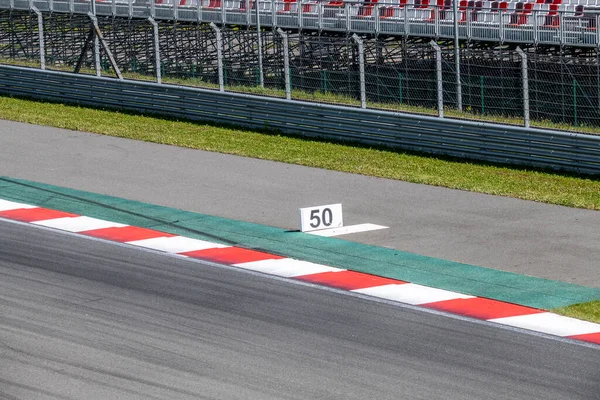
[344, 230]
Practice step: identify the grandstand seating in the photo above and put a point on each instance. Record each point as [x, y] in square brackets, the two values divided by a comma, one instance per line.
[513, 13]
[514, 20]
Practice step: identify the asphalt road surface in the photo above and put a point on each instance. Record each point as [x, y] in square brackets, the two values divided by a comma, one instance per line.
[519, 236]
[85, 319]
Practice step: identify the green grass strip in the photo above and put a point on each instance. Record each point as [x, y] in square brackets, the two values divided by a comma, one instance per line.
[525, 184]
[589, 311]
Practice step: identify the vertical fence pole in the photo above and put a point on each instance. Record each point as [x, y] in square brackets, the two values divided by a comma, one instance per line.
[400, 86]
[481, 94]
[41, 37]
[99, 39]
[361, 70]
[157, 65]
[440, 82]
[96, 43]
[97, 56]
[525, 81]
[457, 57]
[598, 71]
[152, 9]
[219, 56]
[261, 76]
[286, 63]
[575, 101]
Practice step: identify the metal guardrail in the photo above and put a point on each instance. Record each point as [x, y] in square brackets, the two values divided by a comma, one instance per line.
[539, 26]
[463, 139]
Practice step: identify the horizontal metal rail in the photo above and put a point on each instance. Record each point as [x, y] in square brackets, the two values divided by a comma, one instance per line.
[538, 26]
[463, 139]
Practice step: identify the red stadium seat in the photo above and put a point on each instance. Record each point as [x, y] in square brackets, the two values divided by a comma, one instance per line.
[552, 20]
[287, 6]
[366, 10]
[522, 12]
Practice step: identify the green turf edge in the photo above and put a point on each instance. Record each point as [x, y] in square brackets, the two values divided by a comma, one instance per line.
[428, 271]
[567, 190]
[589, 311]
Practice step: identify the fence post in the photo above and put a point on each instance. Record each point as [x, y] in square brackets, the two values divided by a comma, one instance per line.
[156, 49]
[219, 55]
[152, 9]
[440, 82]
[96, 41]
[261, 76]
[41, 36]
[525, 79]
[286, 63]
[361, 70]
[98, 38]
[575, 101]
[457, 56]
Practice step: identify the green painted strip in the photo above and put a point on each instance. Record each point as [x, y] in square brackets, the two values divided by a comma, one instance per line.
[463, 278]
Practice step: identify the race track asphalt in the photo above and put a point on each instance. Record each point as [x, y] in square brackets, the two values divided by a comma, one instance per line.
[529, 238]
[85, 319]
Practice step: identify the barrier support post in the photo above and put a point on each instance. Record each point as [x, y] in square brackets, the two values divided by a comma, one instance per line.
[219, 55]
[286, 63]
[41, 37]
[261, 75]
[156, 50]
[457, 56]
[99, 39]
[525, 81]
[361, 70]
[440, 82]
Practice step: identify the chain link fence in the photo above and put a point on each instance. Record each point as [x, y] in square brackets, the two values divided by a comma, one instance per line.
[559, 87]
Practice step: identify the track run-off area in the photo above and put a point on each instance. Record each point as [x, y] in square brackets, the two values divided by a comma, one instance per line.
[91, 319]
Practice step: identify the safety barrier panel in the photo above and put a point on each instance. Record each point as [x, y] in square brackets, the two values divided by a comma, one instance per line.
[456, 138]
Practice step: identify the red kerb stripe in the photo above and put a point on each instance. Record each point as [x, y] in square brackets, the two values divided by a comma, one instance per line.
[126, 233]
[348, 280]
[231, 255]
[482, 308]
[589, 337]
[34, 214]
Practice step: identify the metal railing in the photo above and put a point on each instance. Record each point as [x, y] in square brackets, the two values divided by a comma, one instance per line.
[470, 140]
[539, 25]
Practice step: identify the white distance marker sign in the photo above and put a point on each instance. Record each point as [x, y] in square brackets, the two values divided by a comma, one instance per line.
[321, 217]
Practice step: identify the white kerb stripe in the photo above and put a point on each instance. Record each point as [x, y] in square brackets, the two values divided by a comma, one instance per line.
[287, 267]
[411, 293]
[78, 224]
[550, 323]
[6, 205]
[176, 244]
